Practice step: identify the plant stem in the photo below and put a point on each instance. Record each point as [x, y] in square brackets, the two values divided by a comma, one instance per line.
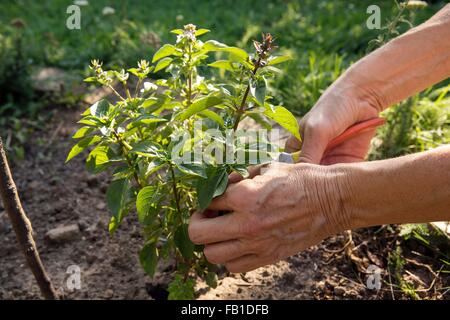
[241, 109]
[127, 91]
[175, 190]
[22, 227]
[116, 93]
[189, 93]
[137, 87]
[125, 147]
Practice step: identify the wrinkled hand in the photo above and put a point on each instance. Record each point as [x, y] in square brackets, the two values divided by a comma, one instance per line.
[333, 114]
[278, 211]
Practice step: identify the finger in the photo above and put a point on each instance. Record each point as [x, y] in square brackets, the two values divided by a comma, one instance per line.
[232, 199]
[314, 145]
[256, 170]
[292, 145]
[247, 263]
[253, 171]
[203, 230]
[225, 202]
[225, 251]
[352, 150]
[235, 177]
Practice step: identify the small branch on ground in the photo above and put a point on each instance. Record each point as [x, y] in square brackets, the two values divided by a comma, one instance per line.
[22, 227]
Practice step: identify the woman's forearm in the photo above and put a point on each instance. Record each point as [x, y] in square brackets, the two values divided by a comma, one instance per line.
[406, 65]
[409, 189]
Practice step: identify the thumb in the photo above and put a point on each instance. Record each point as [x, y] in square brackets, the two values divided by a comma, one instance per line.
[292, 145]
[314, 145]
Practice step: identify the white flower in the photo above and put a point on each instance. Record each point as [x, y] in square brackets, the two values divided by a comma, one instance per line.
[416, 4]
[108, 11]
[179, 17]
[120, 130]
[180, 37]
[148, 86]
[81, 3]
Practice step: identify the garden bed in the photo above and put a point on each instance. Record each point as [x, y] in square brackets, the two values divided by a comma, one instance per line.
[55, 194]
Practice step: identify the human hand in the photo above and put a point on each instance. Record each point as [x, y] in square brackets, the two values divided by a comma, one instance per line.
[333, 114]
[278, 211]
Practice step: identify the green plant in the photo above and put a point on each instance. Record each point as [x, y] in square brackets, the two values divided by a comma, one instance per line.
[16, 92]
[419, 123]
[404, 16]
[302, 89]
[170, 141]
[396, 263]
[15, 83]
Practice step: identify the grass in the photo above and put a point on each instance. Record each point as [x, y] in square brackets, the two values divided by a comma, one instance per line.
[324, 36]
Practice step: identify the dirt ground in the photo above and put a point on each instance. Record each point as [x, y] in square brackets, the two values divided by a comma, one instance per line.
[57, 194]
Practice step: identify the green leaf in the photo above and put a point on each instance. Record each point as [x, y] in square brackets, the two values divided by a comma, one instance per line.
[284, 118]
[213, 45]
[241, 169]
[116, 198]
[100, 109]
[200, 32]
[278, 59]
[113, 225]
[211, 187]
[183, 242]
[99, 159]
[82, 132]
[211, 279]
[223, 64]
[123, 172]
[213, 116]
[162, 64]
[221, 185]
[134, 71]
[164, 51]
[91, 121]
[259, 119]
[147, 204]
[192, 169]
[144, 119]
[177, 31]
[90, 80]
[148, 257]
[199, 105]
[82, 145]
[154, 166]
[148, 149]
[180, 289]
[258, 90]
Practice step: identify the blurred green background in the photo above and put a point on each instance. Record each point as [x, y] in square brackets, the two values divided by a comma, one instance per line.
[325, 37]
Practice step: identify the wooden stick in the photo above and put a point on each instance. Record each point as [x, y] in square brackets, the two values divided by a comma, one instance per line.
[22, 227]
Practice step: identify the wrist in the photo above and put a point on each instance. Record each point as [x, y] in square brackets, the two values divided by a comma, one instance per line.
[327, 193]
[365, 93]
[351, 102]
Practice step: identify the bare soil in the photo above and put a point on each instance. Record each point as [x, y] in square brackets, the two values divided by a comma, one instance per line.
[56, 194]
